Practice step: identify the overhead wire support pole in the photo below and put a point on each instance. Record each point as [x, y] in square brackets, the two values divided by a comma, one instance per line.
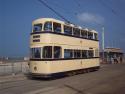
[58, 14]
[103, 44]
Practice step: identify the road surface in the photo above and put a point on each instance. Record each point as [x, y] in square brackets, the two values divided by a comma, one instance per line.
[110, 79]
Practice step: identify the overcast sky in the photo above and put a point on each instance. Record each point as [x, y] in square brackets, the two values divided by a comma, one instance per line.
[16, 17]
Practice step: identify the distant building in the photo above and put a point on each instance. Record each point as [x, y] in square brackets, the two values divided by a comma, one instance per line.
[26, 58]
[112, 55]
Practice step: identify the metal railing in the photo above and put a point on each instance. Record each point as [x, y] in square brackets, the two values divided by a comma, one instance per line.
[13, 67]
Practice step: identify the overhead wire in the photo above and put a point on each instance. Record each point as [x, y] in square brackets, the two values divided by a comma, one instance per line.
[58, 6]
[78, 4]
[57, 13]
[112, 10]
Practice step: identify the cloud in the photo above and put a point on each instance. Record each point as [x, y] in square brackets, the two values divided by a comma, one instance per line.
[90, 18]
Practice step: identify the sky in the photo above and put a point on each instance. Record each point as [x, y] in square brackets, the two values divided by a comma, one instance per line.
[16, 17]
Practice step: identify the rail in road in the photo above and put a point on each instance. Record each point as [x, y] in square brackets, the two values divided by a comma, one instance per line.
[108, 80]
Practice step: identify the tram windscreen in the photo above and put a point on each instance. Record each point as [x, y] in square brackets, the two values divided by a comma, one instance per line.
[47, 52]
[48, 26]
[35, 53]
[37, 27]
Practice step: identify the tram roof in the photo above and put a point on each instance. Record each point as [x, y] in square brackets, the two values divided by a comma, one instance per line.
[40, 20]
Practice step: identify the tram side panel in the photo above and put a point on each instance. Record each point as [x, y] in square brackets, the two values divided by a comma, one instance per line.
[71, 65]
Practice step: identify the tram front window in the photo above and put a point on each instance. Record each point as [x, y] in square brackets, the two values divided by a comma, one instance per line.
[48, 26]
[47, 52]
[37, 27]
[35, 53]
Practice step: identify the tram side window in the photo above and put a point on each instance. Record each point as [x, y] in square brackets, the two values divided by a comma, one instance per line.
[67, 30]
[95, 36]
[90, 35]
[77, 54]
[68, 53]
[83, 34]
[76, 32]
[84, 54]
[35, 53]
[37, 27]
[48, 26]
[47, 52]
[90, 53]
[57, 27]
[57, 52]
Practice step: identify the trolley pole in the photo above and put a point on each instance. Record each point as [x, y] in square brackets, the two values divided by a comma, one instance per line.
[103, 44]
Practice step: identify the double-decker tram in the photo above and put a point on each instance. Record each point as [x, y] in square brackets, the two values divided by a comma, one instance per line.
[58, 48]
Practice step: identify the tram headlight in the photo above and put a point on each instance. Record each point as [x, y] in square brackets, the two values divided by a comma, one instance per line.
[35, 68]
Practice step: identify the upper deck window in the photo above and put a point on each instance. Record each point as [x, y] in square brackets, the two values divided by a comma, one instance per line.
[90, 35]
[95, 36]
[48, 26]
[57, 27]
[76, 32]
[37, 27]
[67, 30]
[83, 33]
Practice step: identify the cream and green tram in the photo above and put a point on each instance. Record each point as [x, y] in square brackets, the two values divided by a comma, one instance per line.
[58, 48]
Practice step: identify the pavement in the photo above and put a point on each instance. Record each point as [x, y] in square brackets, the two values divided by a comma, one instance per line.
[13, 77]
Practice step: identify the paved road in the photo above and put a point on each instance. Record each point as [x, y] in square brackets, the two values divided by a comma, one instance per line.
[110, 79]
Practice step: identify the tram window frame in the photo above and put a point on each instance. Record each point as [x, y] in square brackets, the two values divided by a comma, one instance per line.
[58, 54]
[90, 35]
[77, 53]
[48, 26]
[57, 26]
[90, 53]
[48, 53]
[83, 33]
[68, 53]
[84, 53]
[38, 27]
[76, 32]
[36, 53]
[69, 30]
